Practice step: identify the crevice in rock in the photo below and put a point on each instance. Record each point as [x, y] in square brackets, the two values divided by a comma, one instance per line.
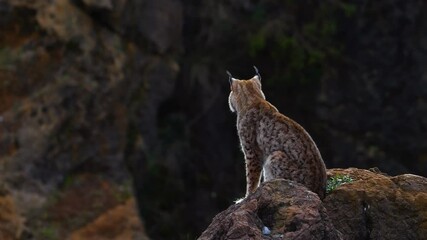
[266, 215]
[99, 16]
[367, 219]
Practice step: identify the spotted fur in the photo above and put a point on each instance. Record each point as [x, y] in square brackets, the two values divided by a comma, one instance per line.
[272, 143]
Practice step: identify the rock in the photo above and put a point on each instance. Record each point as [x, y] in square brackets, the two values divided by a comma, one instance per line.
[11, 223]
[119, 223]
[287, 209]
[107, 4]
[68, 23]
[376, 206]
[72, 95]
[372, 206]
[161, 23]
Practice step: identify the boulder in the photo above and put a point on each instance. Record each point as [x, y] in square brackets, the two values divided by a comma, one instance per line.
[372, 206]
[279, 209]
[377, 206]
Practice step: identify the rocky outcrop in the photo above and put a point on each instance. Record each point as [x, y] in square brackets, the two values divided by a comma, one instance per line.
[372, 206]
[279, 209]
[377, 206]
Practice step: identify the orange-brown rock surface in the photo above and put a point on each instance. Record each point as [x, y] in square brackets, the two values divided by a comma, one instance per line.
[377, 206]
[119, 223]
[11, 223]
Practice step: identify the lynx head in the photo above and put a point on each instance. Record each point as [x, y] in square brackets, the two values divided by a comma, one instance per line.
[244, 93]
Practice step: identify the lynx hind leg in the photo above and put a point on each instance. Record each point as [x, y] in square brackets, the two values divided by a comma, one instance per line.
[279, 165]
[275, 166]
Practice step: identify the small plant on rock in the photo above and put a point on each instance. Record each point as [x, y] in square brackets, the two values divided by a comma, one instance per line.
[337, 181]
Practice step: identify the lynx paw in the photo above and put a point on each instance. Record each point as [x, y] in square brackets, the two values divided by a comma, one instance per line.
[239, 200]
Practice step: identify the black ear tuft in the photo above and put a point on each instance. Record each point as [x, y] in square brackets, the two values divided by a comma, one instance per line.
[257, 73]
[229, 76]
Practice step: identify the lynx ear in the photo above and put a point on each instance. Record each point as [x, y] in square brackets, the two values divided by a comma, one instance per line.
[257, 77]
[230, 77]
[257, 74]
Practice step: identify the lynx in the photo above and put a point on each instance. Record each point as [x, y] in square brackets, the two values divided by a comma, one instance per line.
[272, 143]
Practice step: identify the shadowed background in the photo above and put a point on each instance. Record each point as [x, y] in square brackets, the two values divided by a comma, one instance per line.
[101, 101]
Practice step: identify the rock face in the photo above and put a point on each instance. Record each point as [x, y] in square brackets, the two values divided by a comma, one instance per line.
[73, 89]
[376, 206]
[289, 210]
[119, 223]
[373, 206]
[11, 223]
